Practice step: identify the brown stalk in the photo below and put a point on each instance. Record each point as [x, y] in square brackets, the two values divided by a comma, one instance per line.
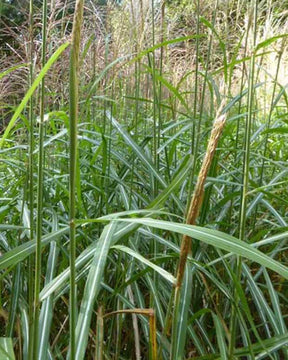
[196, 200]
[152, 323]
[99, 334]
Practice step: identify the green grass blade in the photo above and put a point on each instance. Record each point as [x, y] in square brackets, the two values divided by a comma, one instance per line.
[6, 349]
[92, 288]
[218, 239]
[180, 317]
[276, 305]
[165, 274]
[14, 301]
[99, 335]
[21, 252]
[269, 41]
[24, 318]
[46, 314]
[171, 88]
[220, 337]
[30, 92]
[11, 69]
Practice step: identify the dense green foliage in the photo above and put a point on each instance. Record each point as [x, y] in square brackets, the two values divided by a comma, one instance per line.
[152, 78]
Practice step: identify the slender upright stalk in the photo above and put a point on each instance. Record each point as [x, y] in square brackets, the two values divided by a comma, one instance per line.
[104, 175]
[99, 334]
[206, 201]
[155, 102]
[160, 83]
[153, 333]
[154, 247]
[74, 69]
[248, 133]
[194, 137]
[201, 110]
[246, 163]
[137, 48]
[195, 130]
[238, 126]
[40, 180]
[269, 121]
[152, 323]
[31, 183]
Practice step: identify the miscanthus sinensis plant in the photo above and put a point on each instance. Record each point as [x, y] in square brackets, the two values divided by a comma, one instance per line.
[143, 182]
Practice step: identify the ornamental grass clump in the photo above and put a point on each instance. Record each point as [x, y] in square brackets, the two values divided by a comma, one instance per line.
[143, 184]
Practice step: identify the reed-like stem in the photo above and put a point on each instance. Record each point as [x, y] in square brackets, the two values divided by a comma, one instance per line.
[194, 146]
[246, 165]
[275, 83]
[152, 323]
[40, 185]
[195, 129]
[99, 334]
[155, 102]
[31, 184]
[74, 69]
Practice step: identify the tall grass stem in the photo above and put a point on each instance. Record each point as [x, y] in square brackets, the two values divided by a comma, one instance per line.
[73, 86]
[246, 166]
[40, 186]
[31, 184]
